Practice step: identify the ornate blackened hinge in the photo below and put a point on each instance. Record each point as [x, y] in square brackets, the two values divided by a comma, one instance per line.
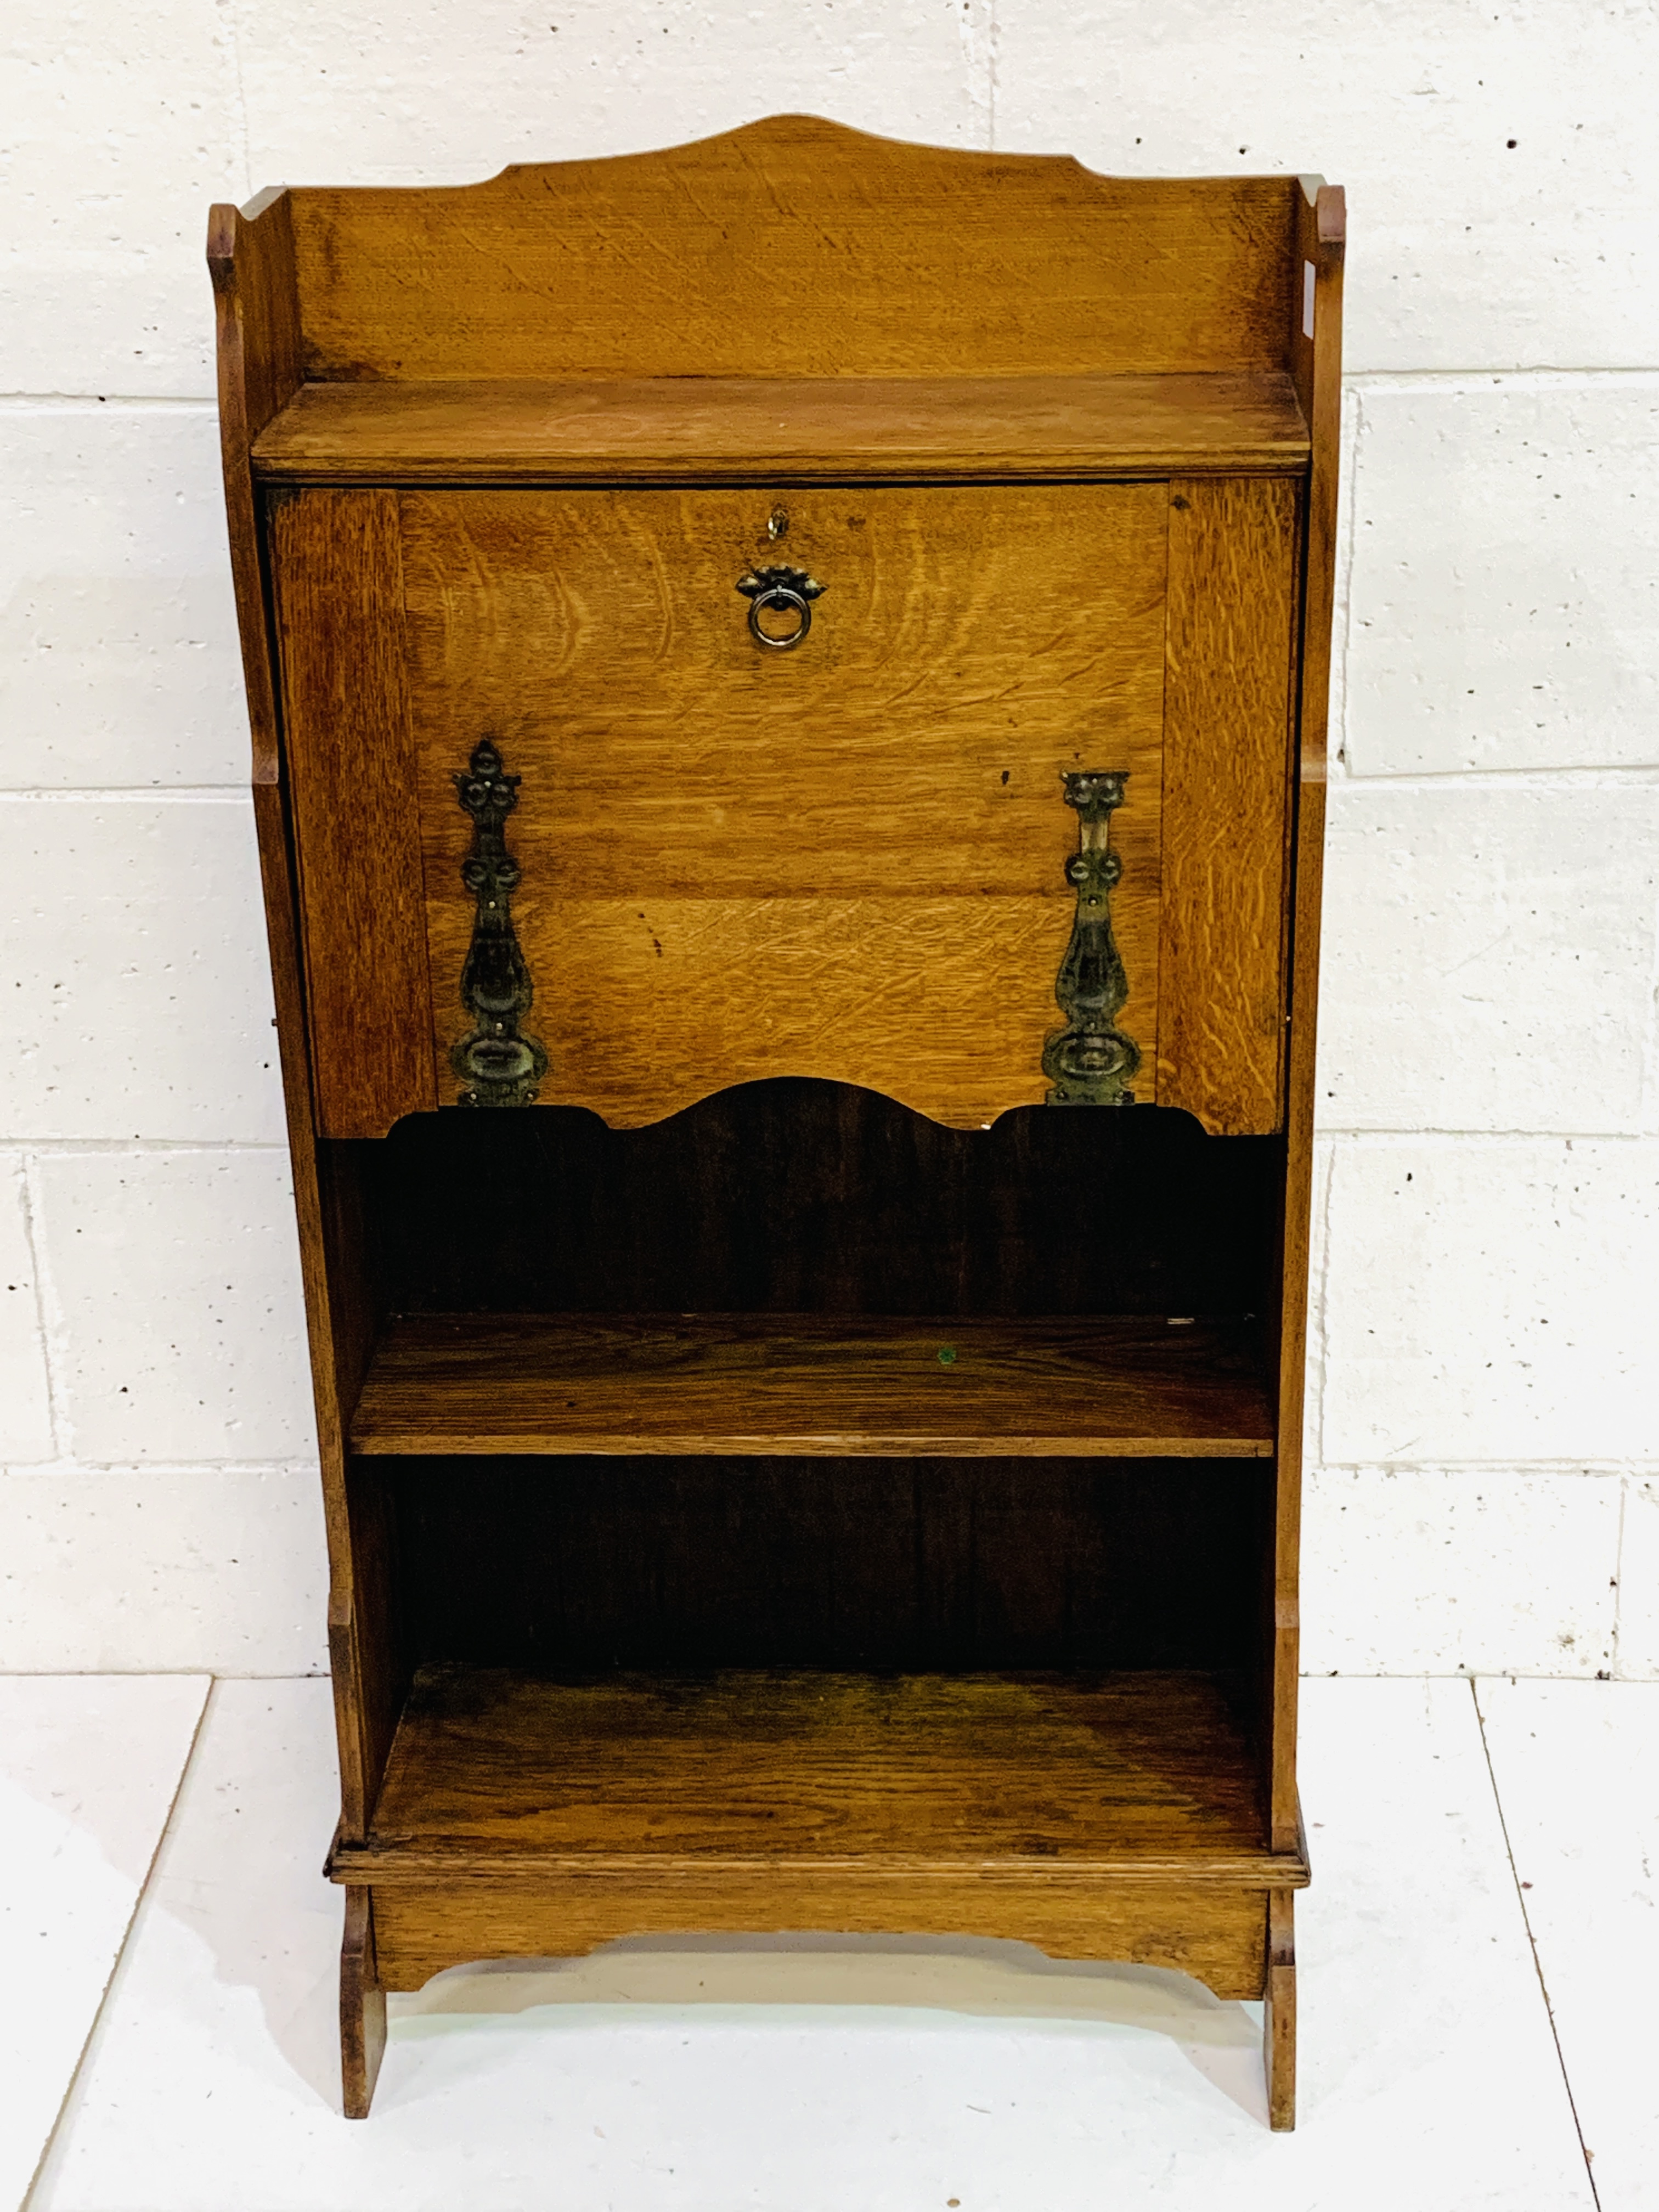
[496, 1065]
[1089, 1062]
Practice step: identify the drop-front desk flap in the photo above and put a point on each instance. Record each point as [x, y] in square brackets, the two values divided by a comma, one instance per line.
[972, 794]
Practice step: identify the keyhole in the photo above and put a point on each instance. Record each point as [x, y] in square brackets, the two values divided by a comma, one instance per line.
[777, 524]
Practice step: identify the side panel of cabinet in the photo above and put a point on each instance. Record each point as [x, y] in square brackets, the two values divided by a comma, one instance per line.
[1228, 694]
[337, 566]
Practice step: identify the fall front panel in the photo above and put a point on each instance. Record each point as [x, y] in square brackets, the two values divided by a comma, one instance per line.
[844, 858]
[723, 858]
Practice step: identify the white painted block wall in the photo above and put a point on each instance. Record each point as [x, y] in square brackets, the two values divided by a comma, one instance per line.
[1486, 1485]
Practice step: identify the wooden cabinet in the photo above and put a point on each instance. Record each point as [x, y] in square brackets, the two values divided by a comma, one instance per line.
[791, 671]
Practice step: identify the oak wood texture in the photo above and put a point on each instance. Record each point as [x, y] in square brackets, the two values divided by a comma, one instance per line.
[339, 1328]
[333, 1385]
[846, 861]
[1278, 2012]
[795, 248]
[1139, 1775]
[794, 317]
[811, 1383]
[370, 1679]
[256, 310]
[1107, 1817]
[251, 260]
[805, 429]
[1212, 1932]
[339, 599]
[362, 2006]
[1226, 799]
[367, 1651]
[1316, 361]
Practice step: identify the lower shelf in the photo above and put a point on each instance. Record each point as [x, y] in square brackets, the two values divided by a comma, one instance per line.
[1107, 1817]
[972, 1778]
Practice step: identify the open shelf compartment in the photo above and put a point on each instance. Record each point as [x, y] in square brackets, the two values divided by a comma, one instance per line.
[797, 1514]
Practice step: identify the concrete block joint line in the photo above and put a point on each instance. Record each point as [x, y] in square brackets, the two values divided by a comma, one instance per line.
[1483, 1299]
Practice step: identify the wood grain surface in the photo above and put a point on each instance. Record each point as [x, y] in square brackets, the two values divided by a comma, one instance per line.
[251, 260]
[813, 1383]
[1214, 1933]
[362, 2006]
[952, 386]
[1233, 607]
[345, 689]
[256, 311]
[846, 861]
[1139, 1774]
[1279, 2013]
[333, 1287]
[805, 429]
[795, 248]
[367, 1658]
[1321, 243]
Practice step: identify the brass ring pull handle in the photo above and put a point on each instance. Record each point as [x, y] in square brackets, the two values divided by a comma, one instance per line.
[786, 590]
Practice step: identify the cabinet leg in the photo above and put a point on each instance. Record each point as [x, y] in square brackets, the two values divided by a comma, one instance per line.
[1279, 2013]
[362, 2006]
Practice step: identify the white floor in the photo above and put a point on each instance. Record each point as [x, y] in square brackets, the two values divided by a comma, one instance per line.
[169, 1951]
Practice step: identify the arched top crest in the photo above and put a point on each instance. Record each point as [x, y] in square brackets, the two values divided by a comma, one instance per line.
[794, 247]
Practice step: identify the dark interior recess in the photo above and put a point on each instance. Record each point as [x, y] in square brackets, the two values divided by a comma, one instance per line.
[887, 1565]
[795, 1195]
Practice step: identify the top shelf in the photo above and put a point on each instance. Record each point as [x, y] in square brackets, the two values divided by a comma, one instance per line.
[802, 430]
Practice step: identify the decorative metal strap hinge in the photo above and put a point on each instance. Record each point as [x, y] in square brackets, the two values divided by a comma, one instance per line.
[1090, 1062]
[496, 1064]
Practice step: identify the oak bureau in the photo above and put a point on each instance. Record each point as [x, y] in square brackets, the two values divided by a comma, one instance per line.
[789, 680]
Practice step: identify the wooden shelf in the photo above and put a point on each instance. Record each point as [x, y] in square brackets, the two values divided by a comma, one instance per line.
[827, 1384]
[805, 429]
[1012, 1776]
